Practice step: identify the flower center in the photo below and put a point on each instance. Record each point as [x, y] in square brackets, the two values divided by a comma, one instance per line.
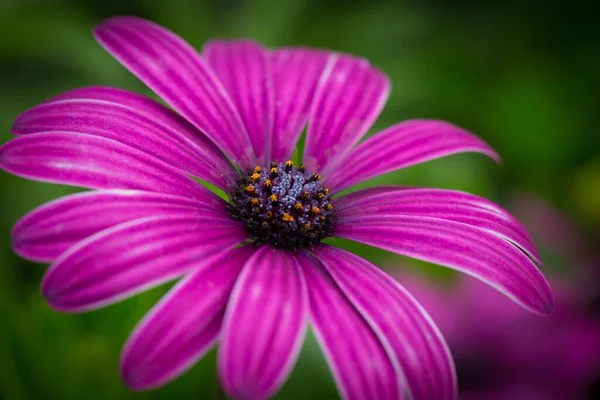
[283, 205]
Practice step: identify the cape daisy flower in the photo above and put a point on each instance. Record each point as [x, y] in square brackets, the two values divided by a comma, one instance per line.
[256, 270]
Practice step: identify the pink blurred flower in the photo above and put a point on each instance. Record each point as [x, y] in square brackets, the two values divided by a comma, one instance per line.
[256, 272]
[504, 353]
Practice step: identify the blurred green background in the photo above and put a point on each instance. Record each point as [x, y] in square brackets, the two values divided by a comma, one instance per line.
[523, 75]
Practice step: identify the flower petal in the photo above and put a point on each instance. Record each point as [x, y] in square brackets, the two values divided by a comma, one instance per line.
[264, 325]
[177, 73]
[94, 162]
[408, 143]
[399, 321]
[47, 231]
[459, 246]
[358, 360]
[184, 325]
[134, 120]
[385, 202]
[121, 261]
[348, 100]
[243, 67]
[296, 73]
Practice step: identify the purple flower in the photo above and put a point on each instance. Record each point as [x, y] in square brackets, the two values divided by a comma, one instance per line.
[256, 272]
[515, 355]
[505, 353]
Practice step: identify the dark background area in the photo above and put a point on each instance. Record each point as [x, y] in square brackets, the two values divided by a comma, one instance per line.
[522, 75]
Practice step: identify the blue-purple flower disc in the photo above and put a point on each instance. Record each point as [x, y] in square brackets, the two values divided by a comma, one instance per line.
[283, 205]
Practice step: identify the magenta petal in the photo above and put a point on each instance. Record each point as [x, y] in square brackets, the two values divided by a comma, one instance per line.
[47, 231]
[244, 68]
[94, 162]
[264, 325]
[476, 252]
[408, 143]
[124, 260]
[398, 320]
[296, 73]
[177, 73]
[387, 202]
[358, 360]
[134, 120]
[184, 325]
[348, 100]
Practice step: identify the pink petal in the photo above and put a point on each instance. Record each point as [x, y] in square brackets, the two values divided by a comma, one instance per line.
[459, 246]
[47, 231]
[398, 320]
[408, 143]
[94, 162]
[386, 202]
[296, 73]
[243, 67]
[134, 120]
[264, 325]
[177, 73]
[358, 360]
[121, 261]
[349, 99]
[184, 325]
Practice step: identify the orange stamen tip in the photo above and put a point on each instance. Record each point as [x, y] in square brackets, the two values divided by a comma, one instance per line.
[298, 206]
[255, 176]
[257, 169]
[249, 188]
[287, 218]
[315, 210]
[268, 183]
[254, 201]
[274, 197]
[329, 207]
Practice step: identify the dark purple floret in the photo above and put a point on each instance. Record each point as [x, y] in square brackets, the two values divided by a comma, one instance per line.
[283, 205]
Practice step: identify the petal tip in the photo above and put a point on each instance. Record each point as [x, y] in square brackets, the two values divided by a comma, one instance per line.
[134, 380]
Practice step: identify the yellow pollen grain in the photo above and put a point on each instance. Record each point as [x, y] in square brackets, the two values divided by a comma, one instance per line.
[257, 169]
[315, 210]
[317, 177]
[329, 207]
[255, 176]
[274, 197]
[250, 188]
[325, 189]
[268, 183]
[298, 206]
[287, 218]
[274, 171]
[254, 201]
[289, 163]
[320, 196]
[306, 195]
